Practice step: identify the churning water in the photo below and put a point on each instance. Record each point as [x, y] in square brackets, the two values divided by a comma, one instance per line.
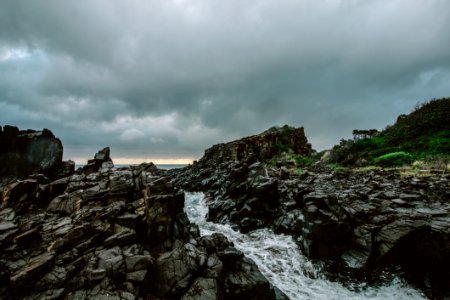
[283, 264]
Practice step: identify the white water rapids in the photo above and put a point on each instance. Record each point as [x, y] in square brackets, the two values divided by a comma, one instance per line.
[283, 264]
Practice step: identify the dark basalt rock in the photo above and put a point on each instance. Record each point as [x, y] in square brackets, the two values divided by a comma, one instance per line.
[244, 281]
[25, 152]
[239, 183]
[357, 223]
[93, 165]
[21, 194]
[116, 234]
[123, 234]
[262, 146]
[35, 268]
[163, 205]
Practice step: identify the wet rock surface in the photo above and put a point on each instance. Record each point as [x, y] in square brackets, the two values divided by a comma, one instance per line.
[359, 223]
[107, 233]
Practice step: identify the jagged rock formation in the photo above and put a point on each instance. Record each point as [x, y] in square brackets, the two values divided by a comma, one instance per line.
[25, 152]
[224, 168]
[359, 223]
[115, 234]
[93, 165]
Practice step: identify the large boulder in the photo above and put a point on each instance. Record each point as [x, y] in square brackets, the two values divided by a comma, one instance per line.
[24, 152]
[243, 280]
[421, 247]
[173, 272]
[213, 269]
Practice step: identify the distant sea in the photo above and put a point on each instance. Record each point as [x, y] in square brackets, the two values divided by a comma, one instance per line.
[171, 166]
[160, 166]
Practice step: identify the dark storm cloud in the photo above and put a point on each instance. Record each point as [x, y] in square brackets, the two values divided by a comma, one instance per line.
[170, 78]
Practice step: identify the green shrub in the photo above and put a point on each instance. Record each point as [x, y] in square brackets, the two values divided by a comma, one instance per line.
[440, 142]
[394, 159]
[302, 161]
[369, 143]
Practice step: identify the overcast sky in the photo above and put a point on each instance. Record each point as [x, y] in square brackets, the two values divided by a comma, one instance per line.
[166, 79]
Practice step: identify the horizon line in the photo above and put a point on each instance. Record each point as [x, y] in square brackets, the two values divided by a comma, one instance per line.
[138, 160]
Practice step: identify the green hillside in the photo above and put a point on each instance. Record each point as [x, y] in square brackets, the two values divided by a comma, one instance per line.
[423, 134]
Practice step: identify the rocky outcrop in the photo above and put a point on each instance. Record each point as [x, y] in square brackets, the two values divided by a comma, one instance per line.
[101, 158]
[259, 147]
[246, 151]
[25, 152]
[116, 234]
[359, 223]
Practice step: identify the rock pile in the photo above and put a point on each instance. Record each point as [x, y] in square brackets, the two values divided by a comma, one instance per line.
[107, 233]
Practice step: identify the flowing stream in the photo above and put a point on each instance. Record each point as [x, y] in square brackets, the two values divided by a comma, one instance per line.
[283, 264]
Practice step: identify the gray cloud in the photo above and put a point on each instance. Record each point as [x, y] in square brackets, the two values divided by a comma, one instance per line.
[164, 79]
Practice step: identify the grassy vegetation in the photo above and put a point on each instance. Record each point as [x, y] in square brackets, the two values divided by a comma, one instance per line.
[297, 163]
[338, 168]
[301, 160]
[394, 159]
[423, 135]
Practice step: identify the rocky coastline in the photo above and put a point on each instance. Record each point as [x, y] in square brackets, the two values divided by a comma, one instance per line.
[357, 224]
[107, 233]
[121, 233]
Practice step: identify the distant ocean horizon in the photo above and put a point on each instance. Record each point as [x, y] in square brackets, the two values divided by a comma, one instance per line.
[160, 166]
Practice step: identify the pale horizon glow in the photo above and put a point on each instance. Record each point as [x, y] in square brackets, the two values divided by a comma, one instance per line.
[139, 160]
